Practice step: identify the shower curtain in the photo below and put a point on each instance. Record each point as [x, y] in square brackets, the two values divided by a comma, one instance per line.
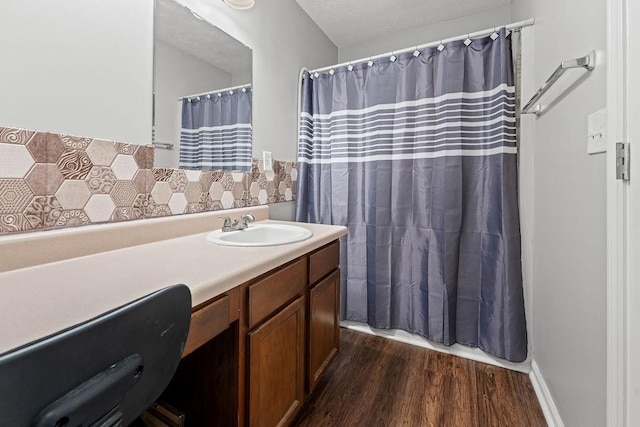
[216, 131]
[418, 158]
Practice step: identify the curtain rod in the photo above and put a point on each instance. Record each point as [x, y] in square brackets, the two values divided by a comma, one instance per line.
[226, 89]
[487, 32]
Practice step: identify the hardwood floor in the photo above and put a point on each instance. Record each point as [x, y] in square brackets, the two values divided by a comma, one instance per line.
[379, 382]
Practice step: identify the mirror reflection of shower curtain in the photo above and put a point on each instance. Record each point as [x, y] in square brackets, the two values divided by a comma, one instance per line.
[216, 132]
[418, 158]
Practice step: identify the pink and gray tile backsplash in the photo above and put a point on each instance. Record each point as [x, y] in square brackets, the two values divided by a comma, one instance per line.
[50, 180]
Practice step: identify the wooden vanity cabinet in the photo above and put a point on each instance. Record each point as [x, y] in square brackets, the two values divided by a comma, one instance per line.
[323, 340]
[255, 353]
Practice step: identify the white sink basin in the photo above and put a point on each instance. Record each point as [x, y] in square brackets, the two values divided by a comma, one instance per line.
[261, 235]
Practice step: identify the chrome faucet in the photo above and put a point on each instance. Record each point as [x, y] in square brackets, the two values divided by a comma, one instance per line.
[239, 224]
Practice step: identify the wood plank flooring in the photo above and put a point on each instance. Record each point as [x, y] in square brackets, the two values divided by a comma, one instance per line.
[379, 382]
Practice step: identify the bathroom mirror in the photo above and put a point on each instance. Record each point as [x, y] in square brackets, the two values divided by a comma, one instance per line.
[196, 60]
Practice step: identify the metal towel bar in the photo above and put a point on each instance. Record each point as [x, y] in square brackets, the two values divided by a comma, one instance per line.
[587, 62]
[163, 145]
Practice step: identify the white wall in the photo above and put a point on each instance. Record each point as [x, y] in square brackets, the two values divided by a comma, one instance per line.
[283, 39]
[80, 67]
[238, 79]
[569, 200]
[178, 74]
[426, 34]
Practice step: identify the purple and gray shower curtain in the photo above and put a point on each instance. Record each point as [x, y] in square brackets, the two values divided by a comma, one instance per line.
[216, 131]
[418, 158]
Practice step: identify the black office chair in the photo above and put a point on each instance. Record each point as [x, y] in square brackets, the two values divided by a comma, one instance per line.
[104, 372]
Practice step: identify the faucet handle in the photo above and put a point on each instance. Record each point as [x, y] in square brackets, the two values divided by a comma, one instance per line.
[227, 221]
[244, 220]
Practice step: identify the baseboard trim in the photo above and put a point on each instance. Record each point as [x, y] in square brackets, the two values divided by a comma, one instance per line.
[455, 350]
[549, 409]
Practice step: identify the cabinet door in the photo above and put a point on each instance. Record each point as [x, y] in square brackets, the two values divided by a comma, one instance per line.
[324, 328]
[276, 367]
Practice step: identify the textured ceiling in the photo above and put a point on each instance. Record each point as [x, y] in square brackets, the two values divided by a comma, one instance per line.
[349, 22]
[176, 25]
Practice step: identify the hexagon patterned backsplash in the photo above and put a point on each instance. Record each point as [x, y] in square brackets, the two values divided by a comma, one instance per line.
[49, 180]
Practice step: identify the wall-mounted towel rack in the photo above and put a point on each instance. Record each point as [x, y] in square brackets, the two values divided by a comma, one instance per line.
[587, 62]
[163, 145]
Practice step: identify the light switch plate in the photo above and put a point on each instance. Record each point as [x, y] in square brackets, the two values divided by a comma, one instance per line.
[267, 160]
[597, 132]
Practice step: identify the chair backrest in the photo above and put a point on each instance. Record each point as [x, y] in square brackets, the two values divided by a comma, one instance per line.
[103, 372]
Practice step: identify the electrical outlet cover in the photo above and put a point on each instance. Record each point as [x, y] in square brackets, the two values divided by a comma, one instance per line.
[267, 160]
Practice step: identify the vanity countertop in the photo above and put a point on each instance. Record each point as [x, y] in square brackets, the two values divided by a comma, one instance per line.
[41, 300]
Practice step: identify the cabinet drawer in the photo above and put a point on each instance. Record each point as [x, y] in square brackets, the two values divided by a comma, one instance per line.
[323, 261]
[208, 322]
[275, 290]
